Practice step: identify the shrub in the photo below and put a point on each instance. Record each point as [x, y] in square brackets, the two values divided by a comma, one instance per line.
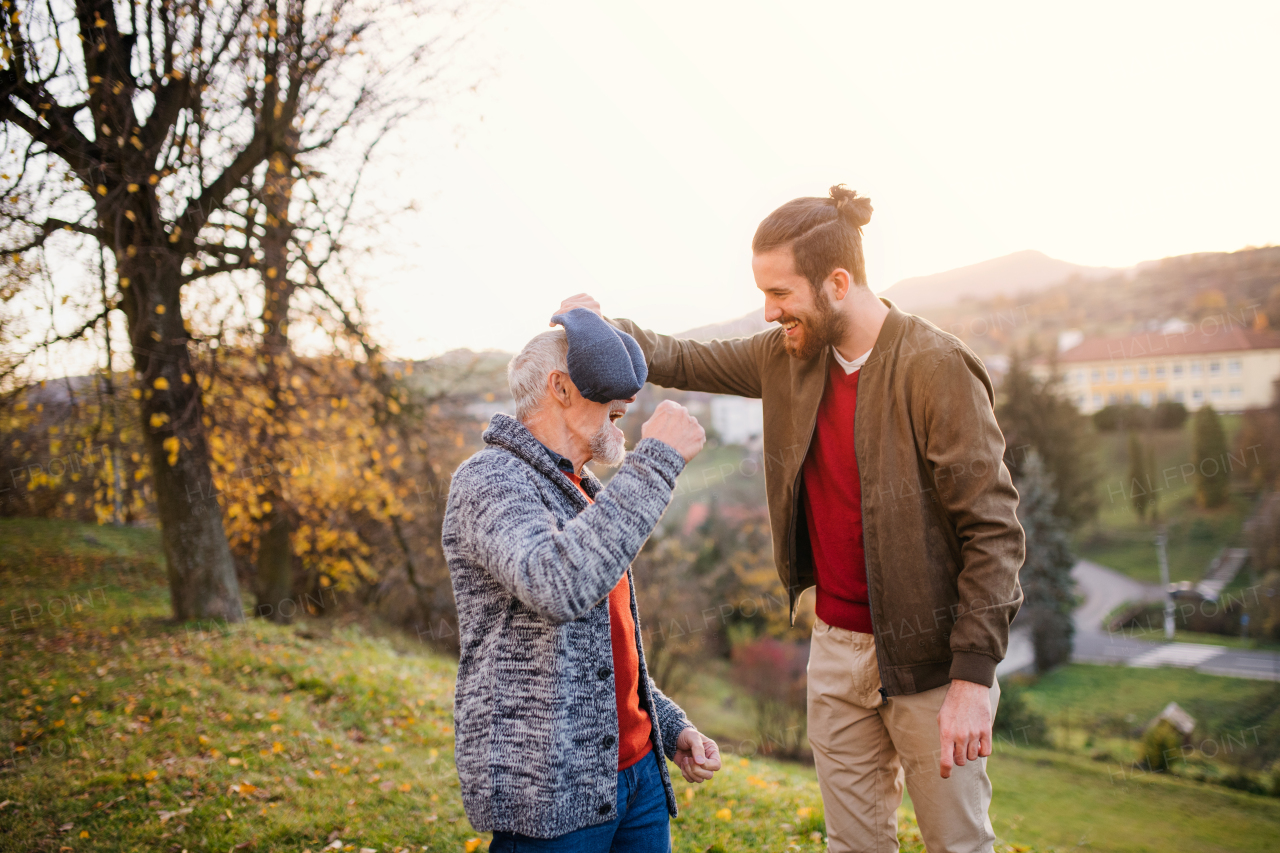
[1122, 416]
[773, 674]
[1241, 781]
[1169, 414]
[1016, 723]
[1161, 743]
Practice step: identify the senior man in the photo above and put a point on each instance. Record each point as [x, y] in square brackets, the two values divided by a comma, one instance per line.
[560, 733]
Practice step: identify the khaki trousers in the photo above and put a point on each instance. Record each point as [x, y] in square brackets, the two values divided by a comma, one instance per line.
[865, 748]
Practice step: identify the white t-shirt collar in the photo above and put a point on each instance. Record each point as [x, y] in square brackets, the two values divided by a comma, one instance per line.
[850, 366]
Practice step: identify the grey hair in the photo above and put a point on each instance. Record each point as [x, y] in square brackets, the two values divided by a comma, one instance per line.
[527, 373]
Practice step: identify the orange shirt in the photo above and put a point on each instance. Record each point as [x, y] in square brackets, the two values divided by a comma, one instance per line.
[634, 725]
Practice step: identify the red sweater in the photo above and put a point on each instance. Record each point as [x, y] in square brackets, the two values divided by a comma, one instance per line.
[634, 725]
[833, 508]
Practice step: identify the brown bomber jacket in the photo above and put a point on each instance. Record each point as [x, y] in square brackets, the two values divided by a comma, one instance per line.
[943, 542]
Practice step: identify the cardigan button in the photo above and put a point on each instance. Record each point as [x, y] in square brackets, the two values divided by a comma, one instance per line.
[604, 673]
[605, 809]
[608, 740]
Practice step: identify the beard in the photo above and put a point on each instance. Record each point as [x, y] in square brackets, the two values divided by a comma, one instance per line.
[823, 328]
[609, 445]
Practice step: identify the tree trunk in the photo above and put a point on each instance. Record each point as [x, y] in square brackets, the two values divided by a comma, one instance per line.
[275, 569]
[275, 546]
[202, 577]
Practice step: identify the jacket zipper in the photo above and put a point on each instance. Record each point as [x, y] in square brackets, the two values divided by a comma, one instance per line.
[871, 607]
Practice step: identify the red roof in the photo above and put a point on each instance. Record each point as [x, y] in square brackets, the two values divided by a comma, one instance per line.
[1204, 338]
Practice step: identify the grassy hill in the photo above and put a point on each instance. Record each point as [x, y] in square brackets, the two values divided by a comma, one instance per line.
[124, 731]
[1119, 541]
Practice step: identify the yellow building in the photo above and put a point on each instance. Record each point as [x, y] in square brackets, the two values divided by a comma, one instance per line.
[1226, 365]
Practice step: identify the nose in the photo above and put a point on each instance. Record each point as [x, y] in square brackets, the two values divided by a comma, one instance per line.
[771, 311]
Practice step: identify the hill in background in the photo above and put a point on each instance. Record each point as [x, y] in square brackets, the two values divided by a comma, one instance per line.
[1020, 272]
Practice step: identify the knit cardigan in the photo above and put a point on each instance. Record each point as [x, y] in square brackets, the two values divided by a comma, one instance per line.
[532, 564]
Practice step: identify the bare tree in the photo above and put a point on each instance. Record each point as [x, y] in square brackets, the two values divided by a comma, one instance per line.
[148, 127]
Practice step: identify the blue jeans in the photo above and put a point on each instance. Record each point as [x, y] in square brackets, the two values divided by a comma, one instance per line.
[642, 824]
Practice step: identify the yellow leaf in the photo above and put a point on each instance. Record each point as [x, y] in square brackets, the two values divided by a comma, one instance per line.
[688, 795]
[406, 788]
[160, 308]
[124, 282]
[277, 747]
[153, 180]
[803, 813]
[161, 384]
[84, 833]
[102, 189]
[158, 420]
[133, 188]
[724, 814]
[473, 844]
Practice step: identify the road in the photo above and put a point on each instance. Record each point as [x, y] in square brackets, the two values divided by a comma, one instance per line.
[1104, 590]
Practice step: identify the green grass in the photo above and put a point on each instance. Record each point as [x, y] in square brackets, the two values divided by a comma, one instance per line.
[1118, 540]
[127, 732]
[1067, 802]
[1142, 693]
[1230, 642]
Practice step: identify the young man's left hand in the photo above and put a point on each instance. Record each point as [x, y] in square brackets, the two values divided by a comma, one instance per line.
[697, 756]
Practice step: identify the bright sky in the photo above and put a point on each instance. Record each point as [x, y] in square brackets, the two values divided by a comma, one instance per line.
[629, 149]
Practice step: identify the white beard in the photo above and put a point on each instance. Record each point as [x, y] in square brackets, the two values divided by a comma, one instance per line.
[608, 446]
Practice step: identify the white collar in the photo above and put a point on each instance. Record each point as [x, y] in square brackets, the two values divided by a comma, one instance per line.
[850, 366]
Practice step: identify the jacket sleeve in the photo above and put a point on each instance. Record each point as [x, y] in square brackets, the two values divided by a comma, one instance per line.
[730, 366]
[965, 449]
[562, 573]
[671, 719]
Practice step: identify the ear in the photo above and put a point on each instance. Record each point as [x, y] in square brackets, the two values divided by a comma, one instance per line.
[558, 388]
[840, 281]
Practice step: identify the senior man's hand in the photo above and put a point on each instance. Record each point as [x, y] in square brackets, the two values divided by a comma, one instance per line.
[697, 756]
[671, 423]
[579, 300]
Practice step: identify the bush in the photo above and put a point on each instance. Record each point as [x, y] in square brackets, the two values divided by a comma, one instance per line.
[773, 674]
[1169, 414]
[1161, 743]
[1122, 416]
[1016, 723]
[1241, 781]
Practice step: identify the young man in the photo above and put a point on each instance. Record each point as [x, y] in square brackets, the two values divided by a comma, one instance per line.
[887, 490]
[561, 736]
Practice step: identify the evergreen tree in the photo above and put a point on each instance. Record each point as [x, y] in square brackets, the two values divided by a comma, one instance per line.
[1046, 572]
[1153, 498]
[1139, 485]
[1034, 414]
[1209, 455]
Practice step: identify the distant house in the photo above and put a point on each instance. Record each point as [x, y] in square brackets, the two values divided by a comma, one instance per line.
[1222, 363]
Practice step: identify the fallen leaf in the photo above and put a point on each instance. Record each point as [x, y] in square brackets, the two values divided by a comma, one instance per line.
[473, 844]
[724, 814]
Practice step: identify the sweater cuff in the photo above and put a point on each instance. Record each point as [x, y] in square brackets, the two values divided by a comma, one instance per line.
[661, 457]
[973, 666]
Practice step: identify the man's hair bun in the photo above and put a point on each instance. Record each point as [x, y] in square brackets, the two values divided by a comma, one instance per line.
[852, 207]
